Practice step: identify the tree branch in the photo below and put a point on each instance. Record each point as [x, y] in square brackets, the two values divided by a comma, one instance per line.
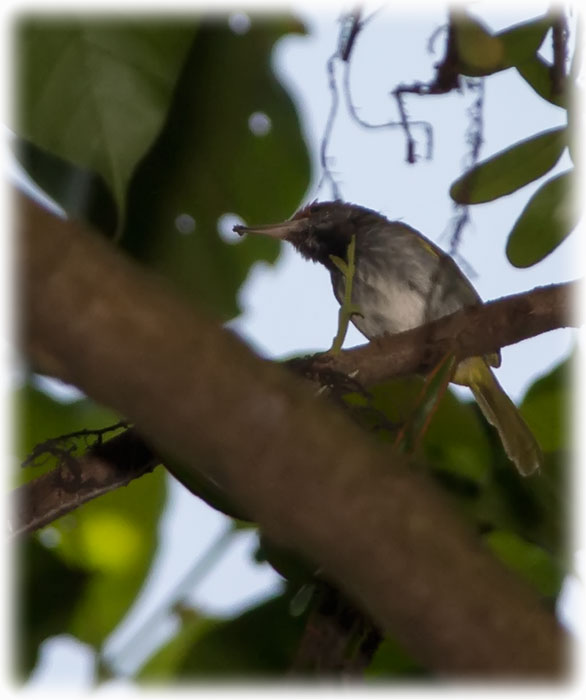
[478, 330]
[311, 478]
[75, 480]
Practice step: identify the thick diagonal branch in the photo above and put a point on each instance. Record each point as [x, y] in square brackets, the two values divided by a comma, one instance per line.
[379, 530]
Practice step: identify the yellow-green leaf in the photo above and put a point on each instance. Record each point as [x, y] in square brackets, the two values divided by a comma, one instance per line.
[531, 562]
[511, 169]
[549, 216]
[479, 51]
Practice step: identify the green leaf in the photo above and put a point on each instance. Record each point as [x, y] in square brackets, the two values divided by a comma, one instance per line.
[390, 659]
[537, 508]
[111, 539]
[510, 169]
[162, 666]
[114, 538]
[523, 41]
[41, 417]
[80, 192]
[207, 162]
[301, 600]
[547, 407]
[479, 51]
[548, 217]
[261, 641]
[537, 73]
[532, 563]
[456, 441]
[95, 92]
[427, 403]
[48, 590]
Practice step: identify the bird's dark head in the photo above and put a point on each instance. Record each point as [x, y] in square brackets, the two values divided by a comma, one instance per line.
[318, 230]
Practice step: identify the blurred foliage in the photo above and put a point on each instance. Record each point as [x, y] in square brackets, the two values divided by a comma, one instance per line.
[208, 162]
[532, 563]
[130, 125]
[551, 214]
[391, 660]
[260, 642]
[146, 130]
[95, 92]
[40, 417]
[109, 543]
[547, 219]
[511, 169]
[49, 590]
[194, 88]
[114, 538]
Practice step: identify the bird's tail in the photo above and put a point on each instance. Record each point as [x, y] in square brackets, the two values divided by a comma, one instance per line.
[498, 409]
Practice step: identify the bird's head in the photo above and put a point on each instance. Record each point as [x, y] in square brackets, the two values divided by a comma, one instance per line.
[319, 230]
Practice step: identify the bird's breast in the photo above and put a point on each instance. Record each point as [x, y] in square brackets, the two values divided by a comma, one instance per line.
[387, 304]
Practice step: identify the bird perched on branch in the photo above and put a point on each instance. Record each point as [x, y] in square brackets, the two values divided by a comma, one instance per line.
[402, 280]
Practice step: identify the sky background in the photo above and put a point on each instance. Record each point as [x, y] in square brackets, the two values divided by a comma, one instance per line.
[289, 307]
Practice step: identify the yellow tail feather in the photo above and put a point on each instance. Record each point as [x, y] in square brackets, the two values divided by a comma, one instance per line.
[498, 409]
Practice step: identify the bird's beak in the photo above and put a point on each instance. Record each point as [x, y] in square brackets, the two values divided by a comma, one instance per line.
[284, 230]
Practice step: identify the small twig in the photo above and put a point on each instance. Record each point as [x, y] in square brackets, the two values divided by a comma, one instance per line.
[56, 446]
[76, 480]
[560, 54]
[475, 139]
[404, 123]
[412, 432]
[352, 25]
[326, 172]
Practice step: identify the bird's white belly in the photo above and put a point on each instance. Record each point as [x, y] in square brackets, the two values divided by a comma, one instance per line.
[387, 306]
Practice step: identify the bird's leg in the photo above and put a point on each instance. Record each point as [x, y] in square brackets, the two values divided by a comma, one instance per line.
[426, 405]
[347, 308]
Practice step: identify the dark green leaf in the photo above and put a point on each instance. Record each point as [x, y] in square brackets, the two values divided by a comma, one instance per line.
[95, 92]
[260, 642]
[427, 404]
[80, 192]
[455, 442]
[48, 590]
[548, 217]
[207, 163]
[483, 53]
[547, 408]
[511, 168]
[538, 74]
[532, 563]
[536, 508]
[523, 41]
[390, 659]
[41, 417]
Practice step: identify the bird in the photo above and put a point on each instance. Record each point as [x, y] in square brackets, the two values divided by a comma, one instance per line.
[403, 280]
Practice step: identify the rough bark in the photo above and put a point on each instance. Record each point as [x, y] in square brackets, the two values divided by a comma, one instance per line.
[380, 531]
